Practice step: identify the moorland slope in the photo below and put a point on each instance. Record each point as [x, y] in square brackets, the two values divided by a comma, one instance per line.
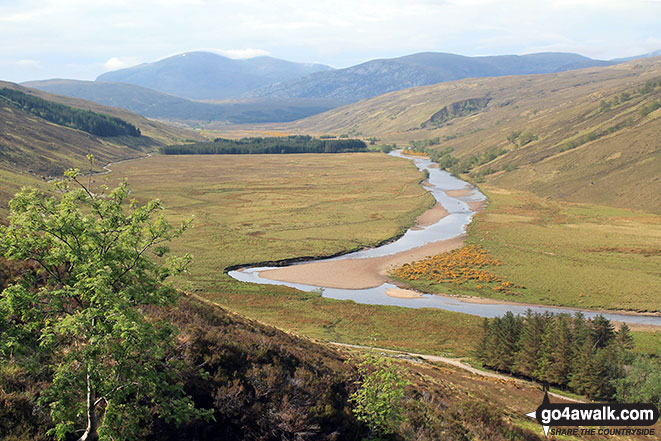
[589, 135]
[33, 148]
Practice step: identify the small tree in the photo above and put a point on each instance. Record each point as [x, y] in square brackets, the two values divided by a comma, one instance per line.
[378, 400]
[642, 382]
[102, 259]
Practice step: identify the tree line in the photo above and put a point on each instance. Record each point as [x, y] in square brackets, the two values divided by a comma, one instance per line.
[586, 356]
[98, 124]
[269, 145]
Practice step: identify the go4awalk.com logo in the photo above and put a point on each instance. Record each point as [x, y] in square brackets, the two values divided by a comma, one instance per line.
[581, 418]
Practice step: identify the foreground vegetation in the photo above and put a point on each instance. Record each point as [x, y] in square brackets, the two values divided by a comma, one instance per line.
[87, 335]
[243, 208]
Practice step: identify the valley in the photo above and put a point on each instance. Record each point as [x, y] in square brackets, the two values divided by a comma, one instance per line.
[242, 210]
[569, 165]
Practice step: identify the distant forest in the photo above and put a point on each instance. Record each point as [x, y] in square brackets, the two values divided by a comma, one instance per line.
[585, 356]
[283, 144]
[95, 123]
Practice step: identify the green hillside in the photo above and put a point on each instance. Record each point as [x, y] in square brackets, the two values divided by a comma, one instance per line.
[159, 105]
[33, 148]
[587, 136]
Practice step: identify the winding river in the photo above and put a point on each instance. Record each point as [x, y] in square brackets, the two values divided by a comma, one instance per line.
[454, 224]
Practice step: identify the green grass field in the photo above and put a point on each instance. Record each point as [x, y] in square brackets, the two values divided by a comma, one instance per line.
[256, 208]
[567, 254]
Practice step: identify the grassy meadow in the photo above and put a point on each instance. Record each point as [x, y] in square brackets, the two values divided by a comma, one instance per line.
[566, 254]
[257, 208]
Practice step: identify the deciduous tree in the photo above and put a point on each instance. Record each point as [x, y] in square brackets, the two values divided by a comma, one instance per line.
[102, 258]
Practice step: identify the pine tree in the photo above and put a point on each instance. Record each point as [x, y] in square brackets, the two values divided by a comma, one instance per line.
[602, 332]
[481, 351]
[530, 343]
[581, 375]
[508, 331]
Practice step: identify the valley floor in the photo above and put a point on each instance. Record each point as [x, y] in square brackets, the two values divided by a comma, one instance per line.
[259, 208]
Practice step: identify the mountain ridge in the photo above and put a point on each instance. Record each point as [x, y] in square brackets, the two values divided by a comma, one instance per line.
[205, 75]
[158, 90]
[154, 104]
[376, 77]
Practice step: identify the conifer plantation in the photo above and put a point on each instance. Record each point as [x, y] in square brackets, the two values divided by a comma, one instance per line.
[269, 145]
[585, 356]
[98, 124]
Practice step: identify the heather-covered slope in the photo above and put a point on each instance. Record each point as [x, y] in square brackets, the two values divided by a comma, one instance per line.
[590, 135]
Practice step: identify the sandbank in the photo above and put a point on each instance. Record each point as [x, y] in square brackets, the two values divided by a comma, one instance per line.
[402, 293]
[461, 193]
[431, 216]
[357, 273]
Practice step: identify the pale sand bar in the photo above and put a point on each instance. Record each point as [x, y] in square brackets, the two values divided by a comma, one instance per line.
[403, 293]
[461, 193]
[357, 273]
[431, 216]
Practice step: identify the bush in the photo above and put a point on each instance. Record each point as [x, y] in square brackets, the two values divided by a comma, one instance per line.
[378, 400]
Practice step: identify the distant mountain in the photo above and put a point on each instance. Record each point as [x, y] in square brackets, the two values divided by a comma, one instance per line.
[204, 75]
[377, 77]
[648, 55]
[274, 90]
[159, 105]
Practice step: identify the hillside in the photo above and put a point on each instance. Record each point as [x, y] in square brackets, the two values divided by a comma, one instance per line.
[32, 148]
[273, 90]
[159, 105]
[591, 135]
[204, 75]
[377, 77]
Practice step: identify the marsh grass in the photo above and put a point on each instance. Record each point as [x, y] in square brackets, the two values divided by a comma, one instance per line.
[251, 209]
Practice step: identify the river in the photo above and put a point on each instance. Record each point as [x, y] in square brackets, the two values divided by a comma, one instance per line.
[452, 225]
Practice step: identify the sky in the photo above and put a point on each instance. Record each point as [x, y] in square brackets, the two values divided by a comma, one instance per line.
[80, 39]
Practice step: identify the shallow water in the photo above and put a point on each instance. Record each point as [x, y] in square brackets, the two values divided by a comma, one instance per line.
[452, 225]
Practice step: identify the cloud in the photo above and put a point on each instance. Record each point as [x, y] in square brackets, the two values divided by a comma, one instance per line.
[241, 54]
[101, 35]
[115, 63]
[28, 64]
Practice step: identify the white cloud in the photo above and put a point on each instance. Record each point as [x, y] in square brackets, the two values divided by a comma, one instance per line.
[115, 63]
[28, 64]
[90, 34]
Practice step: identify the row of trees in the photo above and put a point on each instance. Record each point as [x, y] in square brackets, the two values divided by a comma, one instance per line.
[586, 356]
[446, 161]
[98, 124]
[270, 145]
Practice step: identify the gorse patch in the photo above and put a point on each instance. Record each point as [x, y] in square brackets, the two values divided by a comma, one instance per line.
[462, 266]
